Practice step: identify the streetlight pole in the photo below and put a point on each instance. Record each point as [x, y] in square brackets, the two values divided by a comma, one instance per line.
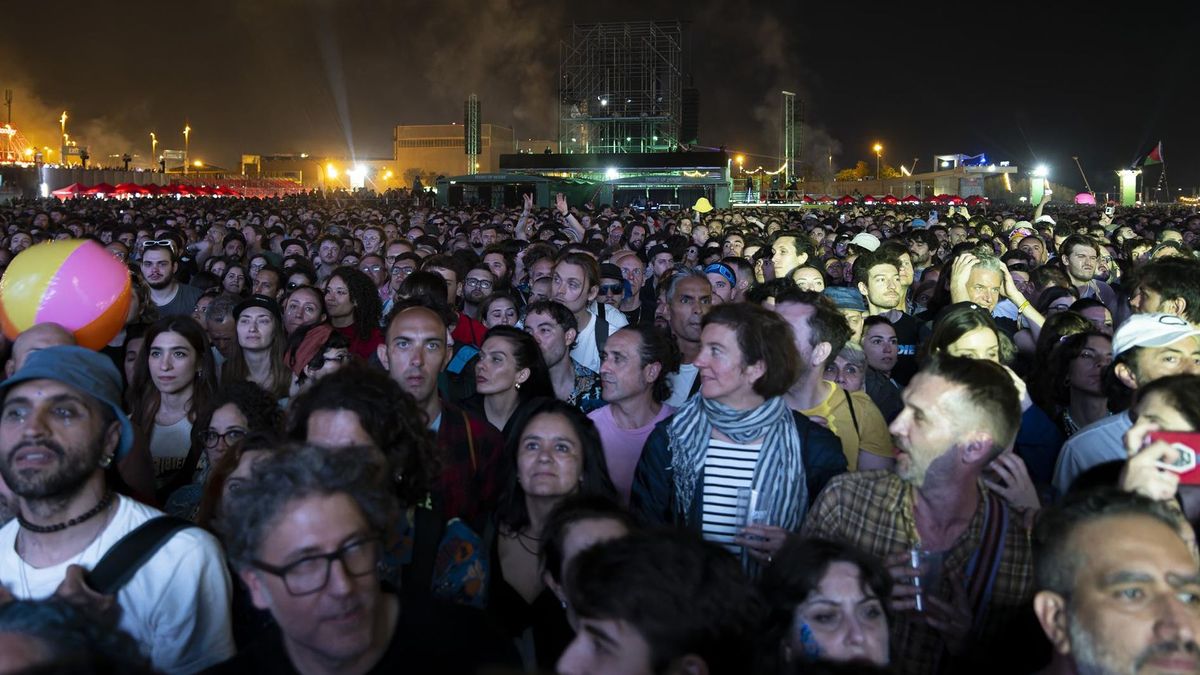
[878, 156]
[187, 130]
[153, 146]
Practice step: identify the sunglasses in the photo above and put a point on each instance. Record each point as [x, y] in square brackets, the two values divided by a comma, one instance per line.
[611, 289]
[151, 243]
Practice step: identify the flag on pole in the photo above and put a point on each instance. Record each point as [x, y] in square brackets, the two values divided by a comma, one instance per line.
[1155, 156]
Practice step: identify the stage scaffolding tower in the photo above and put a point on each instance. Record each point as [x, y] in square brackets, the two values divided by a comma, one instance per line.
[620, 87]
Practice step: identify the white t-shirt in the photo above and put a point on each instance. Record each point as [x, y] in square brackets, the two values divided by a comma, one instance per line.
[176, 606]
[585, 352]
[169, 447]
[623, 447]
[681, 384]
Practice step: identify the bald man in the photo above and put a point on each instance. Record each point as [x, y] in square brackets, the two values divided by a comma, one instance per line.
[33, 339]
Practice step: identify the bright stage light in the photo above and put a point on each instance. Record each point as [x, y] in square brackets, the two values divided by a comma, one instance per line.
[611, 173]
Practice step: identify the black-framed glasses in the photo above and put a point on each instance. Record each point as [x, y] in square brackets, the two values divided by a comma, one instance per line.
[611, 289]
[366, 269]
[481, 283]
[311, 574]
[210, 438]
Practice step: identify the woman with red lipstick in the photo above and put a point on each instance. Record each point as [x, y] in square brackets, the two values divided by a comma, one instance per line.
[510, 373]
[174, 377]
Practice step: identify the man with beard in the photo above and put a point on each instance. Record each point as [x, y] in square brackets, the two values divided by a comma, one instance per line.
[688, 298]
[61, 427]
[159, 266]
[1116, 587]
[959, 414]
[478, 285]
[1080, 255]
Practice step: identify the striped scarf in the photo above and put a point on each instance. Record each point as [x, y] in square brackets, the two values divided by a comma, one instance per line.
[780, 468]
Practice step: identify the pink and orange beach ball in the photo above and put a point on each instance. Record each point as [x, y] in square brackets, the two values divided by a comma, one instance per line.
[74, 283]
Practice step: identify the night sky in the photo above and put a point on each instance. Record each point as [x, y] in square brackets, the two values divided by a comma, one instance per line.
[1022, 82]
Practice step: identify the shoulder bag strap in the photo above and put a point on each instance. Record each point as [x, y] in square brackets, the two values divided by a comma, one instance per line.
[853, 415]
[128, 555]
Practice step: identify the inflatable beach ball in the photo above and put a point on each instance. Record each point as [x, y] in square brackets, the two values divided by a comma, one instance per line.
[74, 283]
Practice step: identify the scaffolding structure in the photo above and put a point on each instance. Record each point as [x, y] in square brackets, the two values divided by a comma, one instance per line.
[788, 151]
[471, 134]
[620, 87]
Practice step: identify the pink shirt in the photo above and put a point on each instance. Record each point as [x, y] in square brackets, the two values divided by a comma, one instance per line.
[623, 447]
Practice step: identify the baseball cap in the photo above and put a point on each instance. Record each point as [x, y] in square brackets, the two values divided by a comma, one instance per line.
[1151, 330]
[865, 240]
[846, 298]
[258, 301]
[656, 250]
[917, 223]
[90, 372]
[610, 271]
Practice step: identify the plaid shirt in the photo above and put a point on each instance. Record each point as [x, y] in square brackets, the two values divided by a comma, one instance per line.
[469, 484]
[873, 511]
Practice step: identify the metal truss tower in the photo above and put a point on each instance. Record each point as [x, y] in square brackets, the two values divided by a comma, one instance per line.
[471, 134]
[620, 87]
[788, 151]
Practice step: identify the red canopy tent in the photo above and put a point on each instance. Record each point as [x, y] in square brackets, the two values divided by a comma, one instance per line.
[889, 199]
[932, 200]
[911, 199]
[954, 200]
[151, 189]
[202, 191]
[846, 200]
[179, 189]
[976, 200]
[807, 200]
[825, 199]
[128, 189]
[869, 199]
[72, 190]
[101, 189]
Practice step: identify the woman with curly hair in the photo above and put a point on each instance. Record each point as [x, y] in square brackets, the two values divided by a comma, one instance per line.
[363, 406]
[353, 306]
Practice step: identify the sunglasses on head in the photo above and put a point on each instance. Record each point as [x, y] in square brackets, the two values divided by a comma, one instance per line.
[151, 243]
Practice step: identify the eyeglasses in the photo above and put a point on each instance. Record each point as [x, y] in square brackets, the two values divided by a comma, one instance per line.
[370, 268]
[318, 362]
[311, 574]
[481, 283]
[611, 289]
[164, 243]
[210, 438]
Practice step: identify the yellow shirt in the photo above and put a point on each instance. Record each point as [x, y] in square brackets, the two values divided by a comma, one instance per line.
[872, 435]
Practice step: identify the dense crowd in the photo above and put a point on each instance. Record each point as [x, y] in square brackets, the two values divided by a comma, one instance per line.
[394, 436]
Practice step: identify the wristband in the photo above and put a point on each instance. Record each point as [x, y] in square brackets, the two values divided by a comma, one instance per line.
[1022, 307]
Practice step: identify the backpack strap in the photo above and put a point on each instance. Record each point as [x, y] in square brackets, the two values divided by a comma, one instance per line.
[133, 550]
[853, 415]
[601, 327]
[470, 441]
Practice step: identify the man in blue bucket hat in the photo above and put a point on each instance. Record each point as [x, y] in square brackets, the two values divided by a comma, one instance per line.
[61, 427]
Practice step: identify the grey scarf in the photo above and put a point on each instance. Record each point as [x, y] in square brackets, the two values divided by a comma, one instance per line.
[780, 468]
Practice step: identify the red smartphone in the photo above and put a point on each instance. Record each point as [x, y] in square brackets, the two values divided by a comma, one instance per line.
[1187, 443]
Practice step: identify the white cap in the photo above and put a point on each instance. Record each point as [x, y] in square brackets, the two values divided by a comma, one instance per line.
[866, 240]
[1151, 330]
